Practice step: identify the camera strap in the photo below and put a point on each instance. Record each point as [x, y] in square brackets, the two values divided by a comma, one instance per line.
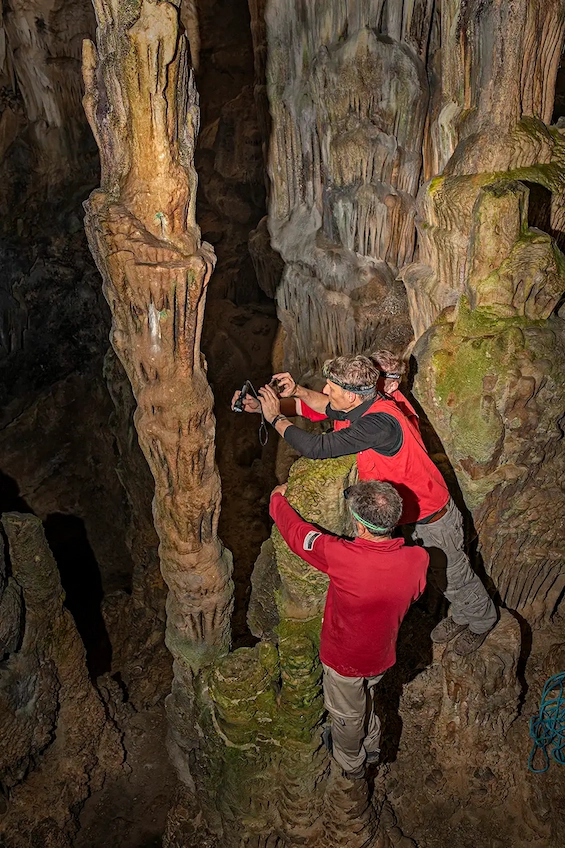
[263, 430]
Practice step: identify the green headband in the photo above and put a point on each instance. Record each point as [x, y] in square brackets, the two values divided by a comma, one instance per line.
[368, 524]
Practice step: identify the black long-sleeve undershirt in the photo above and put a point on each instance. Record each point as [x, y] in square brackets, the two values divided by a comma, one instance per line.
[377, 430]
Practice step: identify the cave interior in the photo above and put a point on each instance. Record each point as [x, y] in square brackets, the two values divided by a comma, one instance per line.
[196, 193]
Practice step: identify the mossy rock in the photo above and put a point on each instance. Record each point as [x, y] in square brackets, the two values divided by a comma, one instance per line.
[316, 492]
[243, 688]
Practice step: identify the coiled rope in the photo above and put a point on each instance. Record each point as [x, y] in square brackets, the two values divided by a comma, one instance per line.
[548, 729]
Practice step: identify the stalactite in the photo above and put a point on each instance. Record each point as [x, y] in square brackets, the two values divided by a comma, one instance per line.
[42, 50]
[345, 162]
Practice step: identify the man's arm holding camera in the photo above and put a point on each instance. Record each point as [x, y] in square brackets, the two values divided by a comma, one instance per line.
[291, 397]
[250, 404]
[288, 387]
[271, 405]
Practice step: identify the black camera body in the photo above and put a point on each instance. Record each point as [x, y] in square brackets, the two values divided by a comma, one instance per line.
[247, 388]
[238, 405]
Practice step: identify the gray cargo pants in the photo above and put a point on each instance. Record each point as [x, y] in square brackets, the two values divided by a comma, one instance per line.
[356, 729]
[451, 572]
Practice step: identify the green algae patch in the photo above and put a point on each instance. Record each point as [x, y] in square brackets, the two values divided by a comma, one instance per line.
[242, 686]
[301, 702]
[316, 492]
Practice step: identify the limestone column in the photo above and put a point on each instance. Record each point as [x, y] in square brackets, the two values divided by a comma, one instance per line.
[142, 105]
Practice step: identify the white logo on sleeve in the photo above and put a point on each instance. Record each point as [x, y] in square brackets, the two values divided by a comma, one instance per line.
[309, 540]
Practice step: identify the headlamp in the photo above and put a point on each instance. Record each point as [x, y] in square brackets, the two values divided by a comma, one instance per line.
[349, 387]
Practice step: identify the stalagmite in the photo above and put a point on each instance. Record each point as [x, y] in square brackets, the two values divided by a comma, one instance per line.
[53, 720]
[143, 108]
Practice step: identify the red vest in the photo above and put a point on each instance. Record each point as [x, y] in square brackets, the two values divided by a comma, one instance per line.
[410, 471]
[406, 408]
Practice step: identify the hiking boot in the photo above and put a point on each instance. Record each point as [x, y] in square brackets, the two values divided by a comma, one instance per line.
[372, 757]
[469, 642]
[446, 630]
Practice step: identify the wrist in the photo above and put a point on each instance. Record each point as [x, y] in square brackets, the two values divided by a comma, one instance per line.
[299, 392]
[277, 418]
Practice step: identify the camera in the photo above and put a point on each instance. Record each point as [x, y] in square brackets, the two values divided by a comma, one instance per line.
[238, 405]
[276, 386]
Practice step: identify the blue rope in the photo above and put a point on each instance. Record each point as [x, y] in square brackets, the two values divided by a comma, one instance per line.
[548, 729]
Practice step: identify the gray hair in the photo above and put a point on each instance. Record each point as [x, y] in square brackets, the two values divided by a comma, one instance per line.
[355, 374]
[377, 505]
[389, 363]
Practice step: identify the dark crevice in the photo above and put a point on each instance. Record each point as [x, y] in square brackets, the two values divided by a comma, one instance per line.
[10, 498]
[81, 580]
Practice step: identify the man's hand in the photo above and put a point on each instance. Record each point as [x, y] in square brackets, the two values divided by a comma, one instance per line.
[280, 490]
[270, 403]
[287, 385]
[250, 404]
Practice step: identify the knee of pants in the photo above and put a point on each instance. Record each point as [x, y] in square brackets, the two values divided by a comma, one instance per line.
[347, 732]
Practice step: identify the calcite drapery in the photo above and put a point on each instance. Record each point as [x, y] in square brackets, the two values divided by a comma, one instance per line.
[143, 108]
[40, 47]
[344, 164]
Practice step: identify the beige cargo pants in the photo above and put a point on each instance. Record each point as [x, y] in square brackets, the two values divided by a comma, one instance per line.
[356, 729]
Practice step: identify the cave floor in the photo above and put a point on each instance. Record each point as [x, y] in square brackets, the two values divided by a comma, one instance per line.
[131, 809]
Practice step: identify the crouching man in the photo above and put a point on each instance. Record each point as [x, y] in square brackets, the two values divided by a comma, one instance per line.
[373, 581]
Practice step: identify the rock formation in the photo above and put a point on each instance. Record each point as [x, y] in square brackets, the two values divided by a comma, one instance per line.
[55, 731]
[265, 766]
[415, 195]
[490, 369]
[142, 105]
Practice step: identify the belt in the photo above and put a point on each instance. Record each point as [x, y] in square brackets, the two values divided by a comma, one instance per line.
[435, 516]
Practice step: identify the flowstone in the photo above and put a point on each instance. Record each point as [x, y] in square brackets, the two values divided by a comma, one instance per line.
[491, 378]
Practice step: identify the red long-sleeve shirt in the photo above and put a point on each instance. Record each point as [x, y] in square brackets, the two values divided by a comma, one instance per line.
[372, 585]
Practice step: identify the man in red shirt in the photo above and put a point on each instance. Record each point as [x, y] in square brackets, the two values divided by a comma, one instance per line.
[373, 581]
[389, 447]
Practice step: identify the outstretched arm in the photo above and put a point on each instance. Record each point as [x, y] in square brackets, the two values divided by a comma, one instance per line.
[302, 538]
[376, 431]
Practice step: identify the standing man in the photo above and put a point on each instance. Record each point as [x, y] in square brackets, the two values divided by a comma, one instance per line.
[392, 369]
[390, 448]
[373, 581]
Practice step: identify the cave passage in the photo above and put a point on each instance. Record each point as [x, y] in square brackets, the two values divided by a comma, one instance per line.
[80, 576]
[10, 499]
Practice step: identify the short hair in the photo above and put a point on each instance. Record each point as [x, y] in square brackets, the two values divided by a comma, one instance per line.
[389, 363]
[377, 503]
[354, 373]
